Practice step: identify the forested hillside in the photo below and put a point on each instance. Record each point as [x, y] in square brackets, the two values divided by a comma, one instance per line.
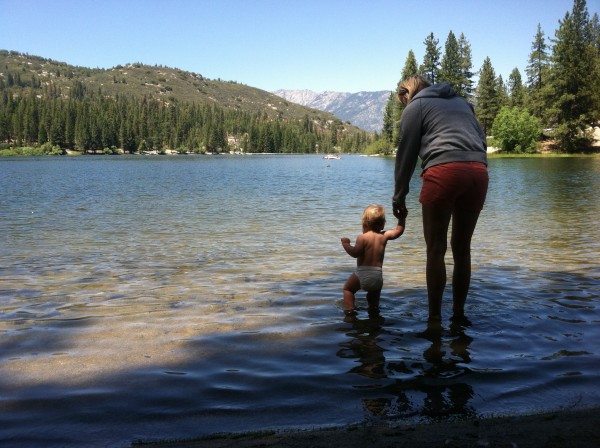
[56, 107]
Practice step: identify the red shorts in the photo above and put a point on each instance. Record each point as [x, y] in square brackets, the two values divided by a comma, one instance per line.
[455, 185]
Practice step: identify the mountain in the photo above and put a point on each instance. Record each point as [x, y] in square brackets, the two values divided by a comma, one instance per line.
[165, 84]
[363, 109]
[135, 107]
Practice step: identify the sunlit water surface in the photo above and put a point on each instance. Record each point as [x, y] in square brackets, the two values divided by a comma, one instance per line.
[174, 297]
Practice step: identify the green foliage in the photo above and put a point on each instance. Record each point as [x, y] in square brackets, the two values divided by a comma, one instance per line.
[430, 69]
[516, 90]
[380, 146]
[23, 151]
[575, 78]
[410, 66]
[451, 71]
[537, 75]
[387, 130]
[562, 89]
[465, 86]
[516, 130]
[488, 96]
[51, 150]
[134, 113]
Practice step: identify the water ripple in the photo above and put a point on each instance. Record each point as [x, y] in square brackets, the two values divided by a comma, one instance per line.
[186, 295]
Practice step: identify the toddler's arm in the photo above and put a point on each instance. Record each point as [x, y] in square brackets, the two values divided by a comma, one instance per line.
[393, 234]
[353, 251]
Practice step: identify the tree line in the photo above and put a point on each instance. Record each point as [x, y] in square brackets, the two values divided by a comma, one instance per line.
[561, 92]
[45, 119]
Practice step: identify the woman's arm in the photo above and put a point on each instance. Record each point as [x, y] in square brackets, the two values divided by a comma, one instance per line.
[406, 156]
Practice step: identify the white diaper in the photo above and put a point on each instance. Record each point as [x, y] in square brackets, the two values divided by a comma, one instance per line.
[370, 277]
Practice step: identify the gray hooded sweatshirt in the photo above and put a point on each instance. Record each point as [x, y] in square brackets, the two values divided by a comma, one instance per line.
[439, 127]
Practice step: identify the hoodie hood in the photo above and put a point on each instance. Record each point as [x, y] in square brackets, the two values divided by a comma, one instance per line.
[441, 90]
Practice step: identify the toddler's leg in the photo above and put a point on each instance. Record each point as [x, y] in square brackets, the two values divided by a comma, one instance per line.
[350, 287]
[373, 299]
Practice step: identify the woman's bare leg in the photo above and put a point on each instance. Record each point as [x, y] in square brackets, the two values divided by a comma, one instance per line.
[463, 226]
[435, 231]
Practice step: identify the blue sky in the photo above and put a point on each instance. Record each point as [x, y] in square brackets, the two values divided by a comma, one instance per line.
[338, 45]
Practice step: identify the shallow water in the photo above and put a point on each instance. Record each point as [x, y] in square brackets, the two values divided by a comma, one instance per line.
[172, 297]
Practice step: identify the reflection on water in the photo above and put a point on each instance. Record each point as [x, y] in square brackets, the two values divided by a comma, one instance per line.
[426, 387]
[171, 297]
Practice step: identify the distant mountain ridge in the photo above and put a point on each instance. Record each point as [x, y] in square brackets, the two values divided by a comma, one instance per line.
[363, 109]
[135, 106]
[166, 84]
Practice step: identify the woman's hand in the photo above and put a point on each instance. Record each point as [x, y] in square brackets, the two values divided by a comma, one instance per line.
[400, 212]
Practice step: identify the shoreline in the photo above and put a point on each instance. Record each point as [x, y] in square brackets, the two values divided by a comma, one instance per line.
[566, 428]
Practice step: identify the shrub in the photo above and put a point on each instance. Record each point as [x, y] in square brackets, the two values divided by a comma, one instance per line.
[380, 146]
[515, 130]
[51, 150]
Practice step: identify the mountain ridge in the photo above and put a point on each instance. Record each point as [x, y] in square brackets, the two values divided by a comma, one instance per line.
[362, 109]
[50, 104]
[166, 84]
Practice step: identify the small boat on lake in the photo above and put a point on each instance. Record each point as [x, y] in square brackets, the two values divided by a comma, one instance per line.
[332, 157]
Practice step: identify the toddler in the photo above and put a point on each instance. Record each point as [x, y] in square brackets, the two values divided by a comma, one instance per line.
[368, 251]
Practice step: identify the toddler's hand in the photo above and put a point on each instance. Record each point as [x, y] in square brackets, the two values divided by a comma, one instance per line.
[345, 240]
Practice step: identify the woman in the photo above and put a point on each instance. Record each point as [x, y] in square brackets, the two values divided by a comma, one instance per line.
[440, 127]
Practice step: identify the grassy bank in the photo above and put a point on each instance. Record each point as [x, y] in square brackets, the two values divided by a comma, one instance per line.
[500, 155]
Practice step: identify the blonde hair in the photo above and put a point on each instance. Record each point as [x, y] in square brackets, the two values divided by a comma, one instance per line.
[409, 87]
[373, 218]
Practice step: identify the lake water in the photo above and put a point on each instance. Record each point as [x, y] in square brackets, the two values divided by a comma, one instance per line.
[178, 296]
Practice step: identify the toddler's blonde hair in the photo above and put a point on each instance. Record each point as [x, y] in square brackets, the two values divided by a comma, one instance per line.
[373, 218]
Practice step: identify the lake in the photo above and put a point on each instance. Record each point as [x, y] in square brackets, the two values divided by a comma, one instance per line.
[156, 297]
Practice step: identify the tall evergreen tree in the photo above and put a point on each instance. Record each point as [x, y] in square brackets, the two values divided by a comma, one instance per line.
[516, 91]
[451, 66]
[430, 69]
[537, 74]
[595, 39]
[387, 130]
[488, 98]
[574, 77]
[502, 92]
[410, 65]
[466, 67]
[393, 107]
[410, 69]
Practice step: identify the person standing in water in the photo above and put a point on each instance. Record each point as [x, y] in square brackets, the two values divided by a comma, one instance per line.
[369, 251]
[440, 128]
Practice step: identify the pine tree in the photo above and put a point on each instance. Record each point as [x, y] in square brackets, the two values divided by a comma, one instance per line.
[430, 68]
[388, 119]
[502, 92]
[537, 74]
[488, 98]
[595, 40]
[451, 67]
[410, 65]
[466, 67]
[516, 91]
[574, 77]
[393, 108]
